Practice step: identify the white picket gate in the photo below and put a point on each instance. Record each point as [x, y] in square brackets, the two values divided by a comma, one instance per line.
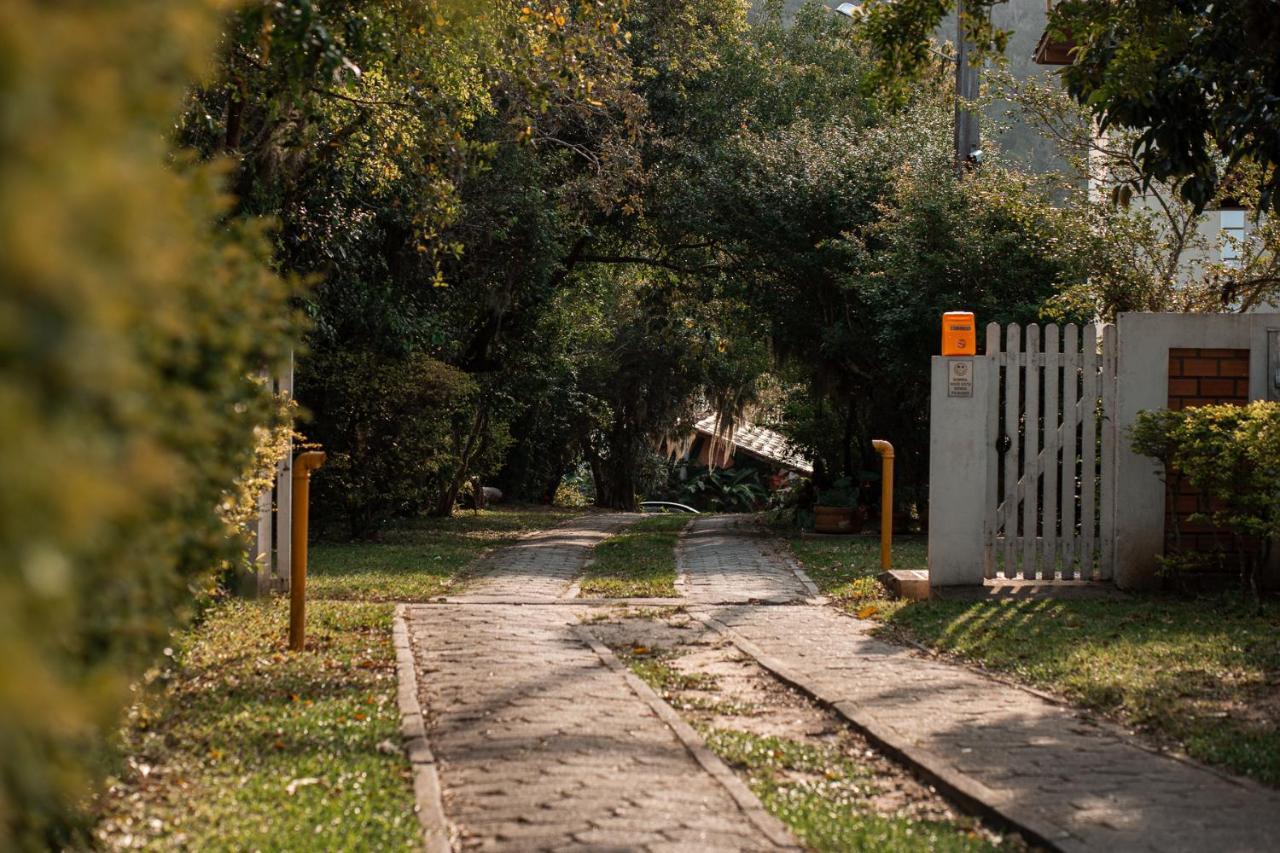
[1051, 472]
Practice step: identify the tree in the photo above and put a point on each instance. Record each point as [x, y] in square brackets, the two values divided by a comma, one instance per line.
[1194, 82]
[1155, 250]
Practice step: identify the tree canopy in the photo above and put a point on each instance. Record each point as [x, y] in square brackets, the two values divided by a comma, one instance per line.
[1195, 81]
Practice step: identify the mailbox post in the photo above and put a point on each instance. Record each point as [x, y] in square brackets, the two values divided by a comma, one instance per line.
[958, 454]
[302, 468]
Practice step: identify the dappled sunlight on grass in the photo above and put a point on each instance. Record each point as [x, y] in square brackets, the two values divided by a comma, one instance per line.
[238, 744]
[638, 562]
[1204, 673]
[845, 569]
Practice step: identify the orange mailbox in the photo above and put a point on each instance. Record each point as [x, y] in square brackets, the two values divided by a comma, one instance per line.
[959, 334]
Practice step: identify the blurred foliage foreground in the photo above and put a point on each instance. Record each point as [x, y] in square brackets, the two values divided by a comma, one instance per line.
[132, 320]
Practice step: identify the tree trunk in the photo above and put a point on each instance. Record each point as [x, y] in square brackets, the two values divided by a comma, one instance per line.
[469, 453]
[615, 476]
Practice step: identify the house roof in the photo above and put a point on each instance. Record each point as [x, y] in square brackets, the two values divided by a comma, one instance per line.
[761, 442]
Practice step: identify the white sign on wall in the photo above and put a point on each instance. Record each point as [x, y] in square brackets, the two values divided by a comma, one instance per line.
[960, 377]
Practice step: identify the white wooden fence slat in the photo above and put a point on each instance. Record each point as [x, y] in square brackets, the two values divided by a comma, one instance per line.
[1031, 461]
[1089, 452]
[1070, 417]
[284, 495]
[1012, 410]
[1049, 537]
[262, 542]
[993, 457]
[1107, 494]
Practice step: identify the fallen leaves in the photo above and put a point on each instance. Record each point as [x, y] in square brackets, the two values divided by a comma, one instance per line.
[292, 787]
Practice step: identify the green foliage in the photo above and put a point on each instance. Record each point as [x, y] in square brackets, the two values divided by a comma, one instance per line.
[396, 431]
[724, 490]
[1194, 81]
[234, 745]
[133, 318]
[1232, 455]
[842, 492]
[1151, 249]
[848, 570]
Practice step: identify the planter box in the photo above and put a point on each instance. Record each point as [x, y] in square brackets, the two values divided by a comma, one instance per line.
[838, 519]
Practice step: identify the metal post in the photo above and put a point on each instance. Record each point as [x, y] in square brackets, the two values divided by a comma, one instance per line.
[885, 449]
[302, 468]
[966, 123]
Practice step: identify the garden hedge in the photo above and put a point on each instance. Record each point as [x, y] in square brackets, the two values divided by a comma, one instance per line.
[133, 318]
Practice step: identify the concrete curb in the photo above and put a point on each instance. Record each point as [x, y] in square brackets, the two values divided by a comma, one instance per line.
[967, 793]
[436, 835]
[682, 568]
[772, 828]
[774, 547]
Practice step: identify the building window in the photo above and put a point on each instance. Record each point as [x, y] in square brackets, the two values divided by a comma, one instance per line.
[1231, 223]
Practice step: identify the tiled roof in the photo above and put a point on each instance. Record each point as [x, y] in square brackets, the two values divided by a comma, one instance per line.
[761, 442]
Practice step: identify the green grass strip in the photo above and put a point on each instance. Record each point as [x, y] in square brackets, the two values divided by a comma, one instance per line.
[1202, 672]
[637, 563]
[239, 745]
[823, 797]
[421, 558]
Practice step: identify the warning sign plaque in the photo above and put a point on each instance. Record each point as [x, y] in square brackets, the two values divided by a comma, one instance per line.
[960, 377]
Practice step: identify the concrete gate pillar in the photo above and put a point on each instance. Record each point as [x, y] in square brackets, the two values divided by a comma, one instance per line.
[960, 444]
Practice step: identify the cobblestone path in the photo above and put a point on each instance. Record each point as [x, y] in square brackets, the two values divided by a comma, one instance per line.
[543, 565]
[720, 562]
[1080, 785]
[540, 745]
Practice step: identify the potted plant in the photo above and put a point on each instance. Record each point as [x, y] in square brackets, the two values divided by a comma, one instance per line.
[837, 510]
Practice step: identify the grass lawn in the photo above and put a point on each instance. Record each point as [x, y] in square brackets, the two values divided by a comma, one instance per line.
[1204, 673]
[238, 745]
[637, 563]
[1201, 673]
[421, 558]
[845, 570]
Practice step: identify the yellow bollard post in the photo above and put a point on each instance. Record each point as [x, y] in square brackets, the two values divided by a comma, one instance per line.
[885, 449]
[303, 465]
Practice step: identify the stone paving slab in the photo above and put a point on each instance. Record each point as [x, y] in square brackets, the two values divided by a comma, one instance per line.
[1077, 784]
[543, 565]
[541, 746]
[720, 561]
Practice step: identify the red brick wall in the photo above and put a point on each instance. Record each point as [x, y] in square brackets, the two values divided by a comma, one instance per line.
[1199, 377]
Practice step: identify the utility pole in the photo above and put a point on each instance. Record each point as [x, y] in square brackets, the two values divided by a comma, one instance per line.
[966, 136]
[966, 127]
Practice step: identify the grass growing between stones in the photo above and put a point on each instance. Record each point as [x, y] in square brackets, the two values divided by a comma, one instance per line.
[1204, 673]
[637, 563]
[822, 796]
[239, 745]
[420, 558]
[809, 769]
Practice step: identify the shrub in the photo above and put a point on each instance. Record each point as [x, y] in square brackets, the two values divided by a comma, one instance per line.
[398, 430]
[132, 318]
[721, 490]
[1232, 454]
